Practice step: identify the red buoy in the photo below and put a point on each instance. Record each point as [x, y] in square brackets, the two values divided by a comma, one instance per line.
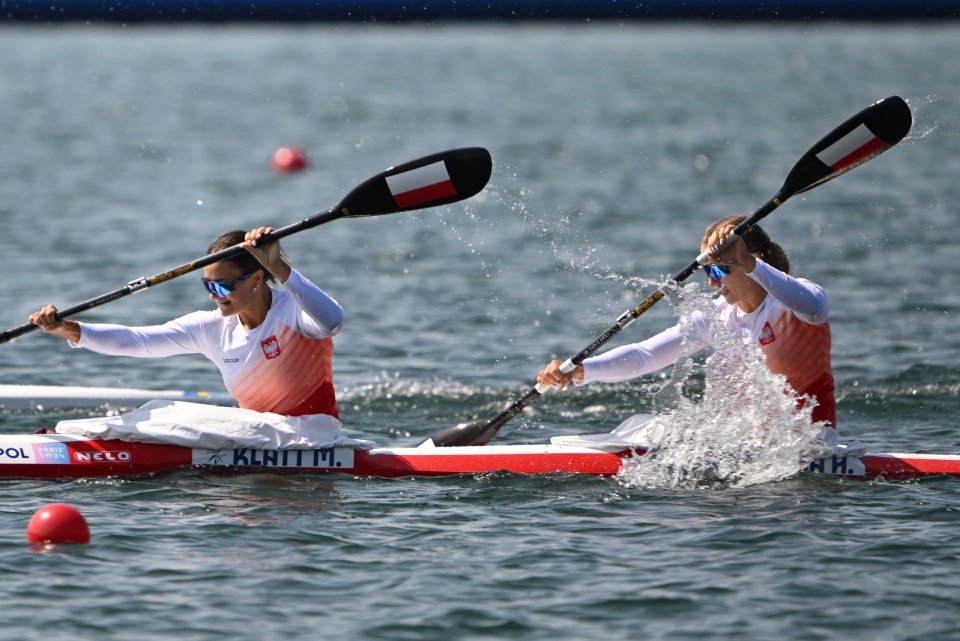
[289, 159]
[58, 523]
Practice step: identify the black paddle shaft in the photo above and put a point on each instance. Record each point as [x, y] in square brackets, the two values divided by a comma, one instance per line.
[432, 181]
[863, 136]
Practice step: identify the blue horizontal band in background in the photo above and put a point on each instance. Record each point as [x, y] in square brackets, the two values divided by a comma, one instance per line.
[389, 11]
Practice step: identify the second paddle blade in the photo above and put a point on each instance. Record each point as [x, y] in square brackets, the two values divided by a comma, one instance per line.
[869, 133]
[435, 180]
[464, 434]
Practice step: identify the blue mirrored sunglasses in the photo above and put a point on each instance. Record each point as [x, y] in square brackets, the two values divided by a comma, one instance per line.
[222, 288]
[716, 272]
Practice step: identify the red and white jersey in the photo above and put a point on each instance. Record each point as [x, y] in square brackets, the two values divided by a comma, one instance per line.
[282, 366]
[790, 327]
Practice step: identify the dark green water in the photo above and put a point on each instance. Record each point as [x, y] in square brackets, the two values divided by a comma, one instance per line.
[126, 150]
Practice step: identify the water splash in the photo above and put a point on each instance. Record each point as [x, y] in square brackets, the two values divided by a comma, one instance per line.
[929, 116]
[743, 428]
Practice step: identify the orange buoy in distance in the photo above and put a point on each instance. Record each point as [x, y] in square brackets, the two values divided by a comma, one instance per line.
[58, 523]
[288, 159]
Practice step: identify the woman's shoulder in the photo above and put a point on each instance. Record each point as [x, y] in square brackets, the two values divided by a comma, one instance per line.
[203, 315]
[199, 319]
[697, 323]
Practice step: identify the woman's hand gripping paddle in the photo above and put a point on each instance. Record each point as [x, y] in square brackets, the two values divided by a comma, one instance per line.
[864, 136]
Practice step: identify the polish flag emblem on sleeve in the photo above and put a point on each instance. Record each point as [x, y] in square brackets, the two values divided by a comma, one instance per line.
[421, 185]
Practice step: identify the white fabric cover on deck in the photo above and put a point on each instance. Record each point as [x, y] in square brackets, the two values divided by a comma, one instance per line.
[210, 427]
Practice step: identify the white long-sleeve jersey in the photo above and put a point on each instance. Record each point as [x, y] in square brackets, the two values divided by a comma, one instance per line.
[790, 326]
[282, 366]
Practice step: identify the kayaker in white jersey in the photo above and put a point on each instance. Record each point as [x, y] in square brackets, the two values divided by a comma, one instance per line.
[273, 345]
[759, 301]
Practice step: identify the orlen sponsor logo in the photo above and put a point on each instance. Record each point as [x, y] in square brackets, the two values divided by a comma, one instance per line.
[118, 456]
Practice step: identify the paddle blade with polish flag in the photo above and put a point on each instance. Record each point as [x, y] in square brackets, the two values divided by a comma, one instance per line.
[421, 185]
[435, 180]
[864, 136]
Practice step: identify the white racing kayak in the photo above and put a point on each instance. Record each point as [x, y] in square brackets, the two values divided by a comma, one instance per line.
[57, 397]
[117, 453]
[58, 456]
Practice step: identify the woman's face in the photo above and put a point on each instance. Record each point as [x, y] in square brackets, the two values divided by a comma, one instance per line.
[735, 286]
[229, 274]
